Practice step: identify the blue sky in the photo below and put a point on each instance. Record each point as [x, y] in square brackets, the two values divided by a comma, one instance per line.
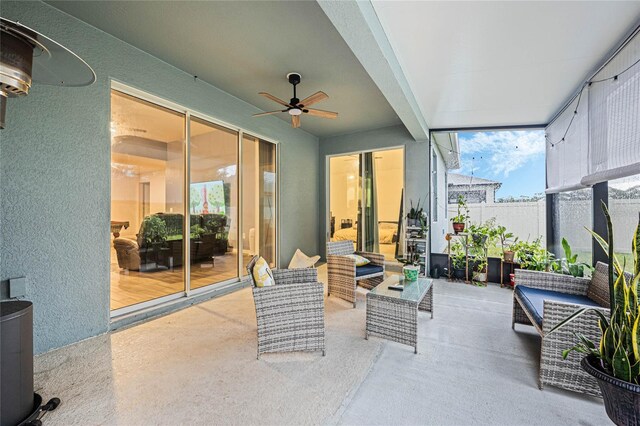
[515, 158]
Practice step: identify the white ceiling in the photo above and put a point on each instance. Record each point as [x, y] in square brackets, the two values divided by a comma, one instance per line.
[477, 64]
[247, 47]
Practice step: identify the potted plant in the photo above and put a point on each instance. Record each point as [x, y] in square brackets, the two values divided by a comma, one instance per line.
[615, 361]
[415, 215]
[569, 265]
[460, 220]
[505, 237]
[154, 231]
[480, 270]
[458, 261]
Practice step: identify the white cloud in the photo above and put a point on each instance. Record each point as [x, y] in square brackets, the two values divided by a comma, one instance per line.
[503, 152]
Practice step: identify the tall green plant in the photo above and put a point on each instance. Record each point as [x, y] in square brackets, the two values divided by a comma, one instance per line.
[619, 346]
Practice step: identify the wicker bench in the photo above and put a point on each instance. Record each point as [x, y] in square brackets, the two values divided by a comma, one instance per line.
[543, 299]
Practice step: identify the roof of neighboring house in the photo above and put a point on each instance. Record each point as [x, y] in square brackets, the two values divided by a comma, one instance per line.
[458, 179]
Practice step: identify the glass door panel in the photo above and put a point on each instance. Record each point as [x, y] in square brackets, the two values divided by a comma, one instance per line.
[384, 182]
[147, 209]
[258, 200]
[345, 185]
[213, 203]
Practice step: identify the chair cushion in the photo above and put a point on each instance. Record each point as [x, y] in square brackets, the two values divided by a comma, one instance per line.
[360, 261]
[533, 300]
[262, 274]
[369, 269]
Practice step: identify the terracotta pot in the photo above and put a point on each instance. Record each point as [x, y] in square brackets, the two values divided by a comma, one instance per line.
[621, 399]
[509, 255]
[458, 227]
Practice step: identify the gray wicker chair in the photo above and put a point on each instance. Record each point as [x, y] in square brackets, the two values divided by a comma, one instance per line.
[290, 314]
[570, 295]
[343, 276]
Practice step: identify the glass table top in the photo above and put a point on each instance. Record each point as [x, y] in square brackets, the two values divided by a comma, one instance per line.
[413, 290]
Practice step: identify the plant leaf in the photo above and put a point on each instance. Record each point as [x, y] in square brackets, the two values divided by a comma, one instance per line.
[570, 318]
[621, 365]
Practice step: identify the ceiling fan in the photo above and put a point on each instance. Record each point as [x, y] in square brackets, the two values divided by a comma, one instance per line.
[296, 107]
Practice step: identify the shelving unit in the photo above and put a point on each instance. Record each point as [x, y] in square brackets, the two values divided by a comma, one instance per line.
[416, 243]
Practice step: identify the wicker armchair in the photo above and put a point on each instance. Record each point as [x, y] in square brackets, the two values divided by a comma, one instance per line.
[560, 296]
[343, 275]
[290, 314]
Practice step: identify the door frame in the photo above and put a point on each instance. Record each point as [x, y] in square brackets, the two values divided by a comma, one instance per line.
[327, 184]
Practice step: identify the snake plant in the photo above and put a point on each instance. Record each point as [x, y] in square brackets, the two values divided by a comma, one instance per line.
[619, 346]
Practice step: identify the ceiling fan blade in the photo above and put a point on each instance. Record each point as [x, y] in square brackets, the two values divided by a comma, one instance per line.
[261, 114]
[273, 98]
[295, 121]
[321, 113]
[316, 97]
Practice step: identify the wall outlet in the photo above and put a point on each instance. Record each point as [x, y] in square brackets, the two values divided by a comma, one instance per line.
[18, 287]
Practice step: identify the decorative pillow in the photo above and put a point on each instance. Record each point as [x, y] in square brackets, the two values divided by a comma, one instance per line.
[360, 261]
[301, 260]
[262, 274]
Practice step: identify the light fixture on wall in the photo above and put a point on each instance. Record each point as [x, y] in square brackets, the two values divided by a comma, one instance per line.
[27, 56]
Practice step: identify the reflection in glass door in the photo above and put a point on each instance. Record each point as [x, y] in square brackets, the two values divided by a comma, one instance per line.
[213, 203]
[344, 198]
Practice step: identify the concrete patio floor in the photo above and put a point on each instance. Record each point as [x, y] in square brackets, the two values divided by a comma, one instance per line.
[198, 366]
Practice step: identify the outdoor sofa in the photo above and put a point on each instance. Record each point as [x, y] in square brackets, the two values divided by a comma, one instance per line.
[543, 299]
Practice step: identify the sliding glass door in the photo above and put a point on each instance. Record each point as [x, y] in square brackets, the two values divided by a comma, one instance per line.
[147, 208]
[365, 196]
[191, 201]
[258, 200]
[345, 187]
[213, 203]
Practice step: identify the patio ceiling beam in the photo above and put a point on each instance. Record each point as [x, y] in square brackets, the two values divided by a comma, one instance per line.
[361, 29]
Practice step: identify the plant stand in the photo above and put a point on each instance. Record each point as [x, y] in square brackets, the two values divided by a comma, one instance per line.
[465, 236]
[511, 271]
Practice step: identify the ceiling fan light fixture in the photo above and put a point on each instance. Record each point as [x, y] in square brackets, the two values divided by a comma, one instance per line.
[295, 111]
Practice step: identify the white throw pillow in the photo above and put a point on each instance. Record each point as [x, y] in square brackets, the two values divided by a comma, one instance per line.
[301, 260]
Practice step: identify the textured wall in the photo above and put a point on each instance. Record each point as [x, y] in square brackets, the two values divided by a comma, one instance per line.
[416, 163]
[55, 174]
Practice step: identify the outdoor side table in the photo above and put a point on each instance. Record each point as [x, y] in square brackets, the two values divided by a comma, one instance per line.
[393, 314]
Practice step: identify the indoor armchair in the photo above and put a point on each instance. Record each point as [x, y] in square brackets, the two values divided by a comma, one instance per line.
[290, 314]
[343, 274]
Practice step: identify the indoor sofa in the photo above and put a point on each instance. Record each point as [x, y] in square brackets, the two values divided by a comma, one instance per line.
[210, 241]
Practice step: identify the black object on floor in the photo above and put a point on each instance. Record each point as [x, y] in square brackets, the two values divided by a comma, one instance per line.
[19, 403]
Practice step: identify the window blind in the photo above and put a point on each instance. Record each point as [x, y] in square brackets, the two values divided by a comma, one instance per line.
[603, 138]
[567, 161]
[614, 118]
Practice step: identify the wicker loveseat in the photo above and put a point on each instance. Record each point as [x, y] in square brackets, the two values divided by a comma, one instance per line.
[344, 276]
[543, 299]
[290, 314]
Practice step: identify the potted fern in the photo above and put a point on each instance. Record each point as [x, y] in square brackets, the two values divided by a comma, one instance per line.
[615, 361]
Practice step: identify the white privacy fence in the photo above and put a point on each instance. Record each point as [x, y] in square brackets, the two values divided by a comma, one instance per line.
[527, 220]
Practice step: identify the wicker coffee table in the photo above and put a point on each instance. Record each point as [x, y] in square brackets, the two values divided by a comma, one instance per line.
[393, 314]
